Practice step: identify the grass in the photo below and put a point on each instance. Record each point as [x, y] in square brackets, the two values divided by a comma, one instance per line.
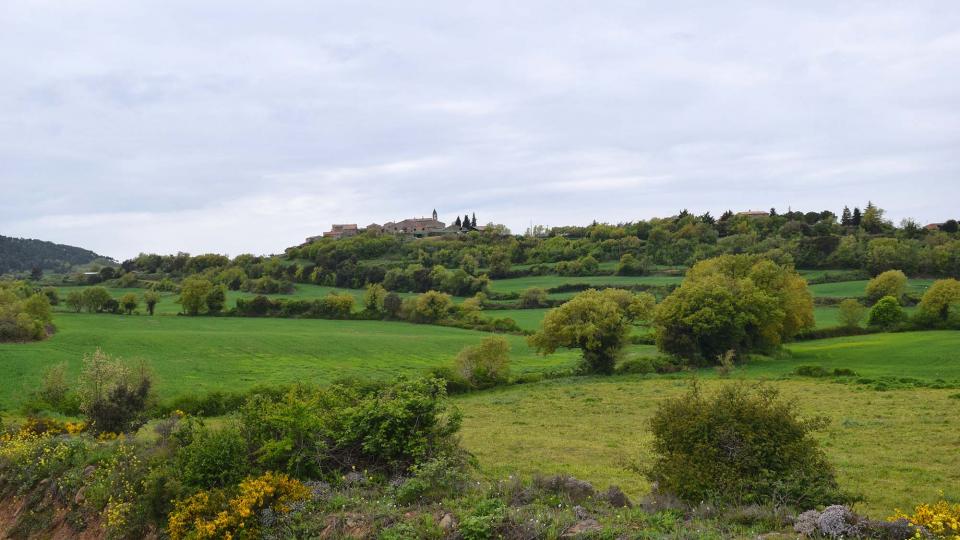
[855, 289]
[547, 282]
[895, 448]
[197, 354]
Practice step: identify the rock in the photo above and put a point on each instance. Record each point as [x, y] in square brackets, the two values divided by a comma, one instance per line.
[576, 490]
[80, 497]
[615, 497]
[806, 523]
[580, 512]
[448, 522]
[582, 527]
[354, 478]
[837, 521]
[88, 471]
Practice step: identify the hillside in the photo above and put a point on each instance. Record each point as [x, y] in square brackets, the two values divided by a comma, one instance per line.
[24, 254]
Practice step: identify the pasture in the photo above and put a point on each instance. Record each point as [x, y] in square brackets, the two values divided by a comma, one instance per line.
[517, 285]
[855, 289]
[198, 354]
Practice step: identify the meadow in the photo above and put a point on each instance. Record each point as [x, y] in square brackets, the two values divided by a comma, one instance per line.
[517, 285]
[856, 289]
[198, 354]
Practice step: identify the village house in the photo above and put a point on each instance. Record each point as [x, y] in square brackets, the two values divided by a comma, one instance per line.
[418, 227]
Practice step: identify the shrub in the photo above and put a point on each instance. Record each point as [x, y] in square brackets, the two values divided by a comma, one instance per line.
[112, 396]
[373, 298]
[890, 283]
[75, 300]
[94, 299]
[940, 519]
[128, 302]
[886, 313]
[940, 298]
[151, 299]
[533, 297]
[487, 364]
[216, 299]
[432, 481]
[193, 294]
[52, 295]
[630, 265]
[851, 313]
[431, 306]
[212, 458]
[742, 445]
[24, 315]
[211, 514]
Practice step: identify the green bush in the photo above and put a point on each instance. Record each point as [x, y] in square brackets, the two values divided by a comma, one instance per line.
[211, 458]
[432, 481]
[740, 446]
[487, 364]
[886, 313]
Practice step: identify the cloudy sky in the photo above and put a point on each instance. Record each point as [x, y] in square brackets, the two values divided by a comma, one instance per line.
[235, 127]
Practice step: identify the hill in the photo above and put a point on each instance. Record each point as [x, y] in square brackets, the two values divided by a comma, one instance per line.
[24, 254]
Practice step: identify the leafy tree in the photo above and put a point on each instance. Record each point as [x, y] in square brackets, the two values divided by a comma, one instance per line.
[486, 364]
[872, 220]
[112, 396]
[630, 265]
[742, 303]
[469, 264]
[432, 306]
[216, 299]
[151, 299]
[52, 295]
[890, 283]
[886, 313]
[129, 303]
[943, 295]
[36, 273]
[533, 297]
[24, 314]
[740, 446]
[851, 313]
[373, 298]
[193, 294]
[597, 323]
[392, 304]
[950, 226]
[95, 298]
[128, 280]
[75, 300]
[499, 263]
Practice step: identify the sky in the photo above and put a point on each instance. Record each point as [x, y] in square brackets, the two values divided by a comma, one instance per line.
[235, 126]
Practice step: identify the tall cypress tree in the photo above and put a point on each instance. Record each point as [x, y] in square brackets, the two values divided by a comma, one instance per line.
[457, 222]
[845, 217]
[855, 219]
[474, 223]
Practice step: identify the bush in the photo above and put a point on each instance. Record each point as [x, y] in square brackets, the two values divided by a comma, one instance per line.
[890, 283]
[630, 265]
[740, 446]
[485, 365]
[112, 396]
[211, 458]
[851, 313]
[24, 315]
[94, 299]
[432, 481]
[533, 297]
[940, 299]
[886, 313]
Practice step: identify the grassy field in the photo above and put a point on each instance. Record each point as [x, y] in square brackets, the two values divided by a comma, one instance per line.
[547, 282]
[894, 448]
[196, 354]
[855, 289]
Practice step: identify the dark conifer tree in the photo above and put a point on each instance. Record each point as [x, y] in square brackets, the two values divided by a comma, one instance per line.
[457, 222]
[845, 217]
[726, 215]
[474, 222]
[466, 220]
[855, 219]
[773, 212]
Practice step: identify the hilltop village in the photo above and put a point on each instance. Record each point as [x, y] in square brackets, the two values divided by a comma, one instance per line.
[417, 226]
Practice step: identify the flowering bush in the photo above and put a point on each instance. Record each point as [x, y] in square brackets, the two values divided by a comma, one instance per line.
[209, 514]
[941, 519]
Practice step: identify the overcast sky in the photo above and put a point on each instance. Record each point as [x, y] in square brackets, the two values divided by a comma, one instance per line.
[227, 126]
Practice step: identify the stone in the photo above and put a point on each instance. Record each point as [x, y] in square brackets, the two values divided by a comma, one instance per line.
[582, 527]
[616, 498]
[448, 522]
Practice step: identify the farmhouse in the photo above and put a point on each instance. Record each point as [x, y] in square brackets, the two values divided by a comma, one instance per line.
[417, 226]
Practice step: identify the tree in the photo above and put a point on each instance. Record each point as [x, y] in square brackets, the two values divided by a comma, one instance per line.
[743, 303]
[630, 265]
[36, 274]
[533, 297]
[890, 283]
[886, 313]
[473, 221]
[487, 364]
[950, 226]
[75, 300]
[193, 294]
[373, 298]
[458, 223]
[392, 304]
[128, 280]
[129, 303]
[52, 295]
[872, 220]
[216, 299]
[499, 263]
[95, 298]
[112, 396]
[856, 217]
[151, 299]
[466, 220]
[469, 264]
[432, 306]
[597, 323]
[943, 295]
[851, 313]
[846, 219]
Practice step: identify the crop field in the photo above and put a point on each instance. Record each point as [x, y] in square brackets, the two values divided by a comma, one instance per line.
[547, 282]
[197, 354]
[855, 289]
[893, 448]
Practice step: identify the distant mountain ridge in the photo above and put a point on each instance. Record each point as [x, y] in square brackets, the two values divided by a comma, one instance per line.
[24, 254]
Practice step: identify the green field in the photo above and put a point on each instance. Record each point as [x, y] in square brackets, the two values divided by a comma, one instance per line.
[855, 289]
[196, 354]
[547, 282]
[894, 448]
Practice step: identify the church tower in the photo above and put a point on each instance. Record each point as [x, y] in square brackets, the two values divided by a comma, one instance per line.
[434, 214]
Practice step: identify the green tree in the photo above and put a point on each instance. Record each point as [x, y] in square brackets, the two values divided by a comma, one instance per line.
[392, 304]
[499, 263]
[432, 306]
[151, 299]
[95, 298]
[597, 323]
[75, 300]
[872, 220]
[890, 283]
[742, 303]
[486, 364]
[630, 265]
[886, 313]
[127, 280]
[193, 294]
[851, 313]
[943, 295]
[216, 299]
[374, 297]
[128, 302]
